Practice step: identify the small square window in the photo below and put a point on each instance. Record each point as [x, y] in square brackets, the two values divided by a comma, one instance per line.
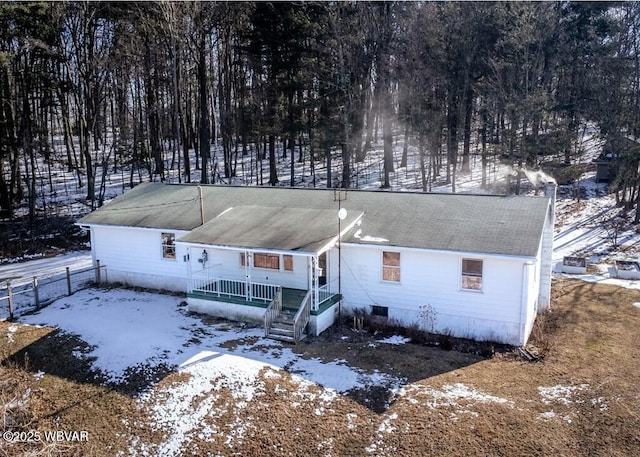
[288, 262]
[391, 266]
[380, 311]
[168, 245]
[472, 274]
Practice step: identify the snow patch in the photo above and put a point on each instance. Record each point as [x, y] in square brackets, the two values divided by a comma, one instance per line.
[13, 328]
[395, 339]
[450, 395]
[560, 394]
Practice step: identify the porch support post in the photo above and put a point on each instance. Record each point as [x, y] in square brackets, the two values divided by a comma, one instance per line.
[316, 292]
[247, 272]
[189, 273]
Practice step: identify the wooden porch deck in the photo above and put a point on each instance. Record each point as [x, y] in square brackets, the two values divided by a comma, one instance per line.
[291, 299]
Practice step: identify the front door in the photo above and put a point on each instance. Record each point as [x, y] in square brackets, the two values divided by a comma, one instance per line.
[322, 264]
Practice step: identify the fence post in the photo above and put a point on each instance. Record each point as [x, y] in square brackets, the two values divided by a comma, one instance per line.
[98, 272]
[69, 282]
[10, 295]
[36, 295]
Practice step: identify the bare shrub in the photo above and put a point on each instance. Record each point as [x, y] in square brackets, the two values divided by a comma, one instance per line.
[540, 341]
[15, 394]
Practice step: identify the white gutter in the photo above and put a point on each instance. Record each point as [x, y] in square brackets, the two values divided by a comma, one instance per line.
[443, 251]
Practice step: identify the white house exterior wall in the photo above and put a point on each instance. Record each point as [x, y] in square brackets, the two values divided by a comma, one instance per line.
[532, 286]
[133, 256]
[321, 322]
[332, 265]
[226, 264]
[434, 279]
[234, 312]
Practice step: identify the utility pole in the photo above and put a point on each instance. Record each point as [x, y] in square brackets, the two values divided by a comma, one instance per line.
[340, 194]
[201, 205]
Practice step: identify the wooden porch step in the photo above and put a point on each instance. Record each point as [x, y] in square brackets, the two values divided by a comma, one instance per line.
[282, 332]
[284, 318]
[283, 338]
[282, 328]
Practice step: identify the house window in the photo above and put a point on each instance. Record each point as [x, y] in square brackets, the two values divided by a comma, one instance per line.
[472, 274]
[270, 261]
[390, 266]
[169, 245]
[381, 311]
[288, 262]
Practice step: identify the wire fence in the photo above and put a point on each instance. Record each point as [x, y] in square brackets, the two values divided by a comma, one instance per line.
[21, 299]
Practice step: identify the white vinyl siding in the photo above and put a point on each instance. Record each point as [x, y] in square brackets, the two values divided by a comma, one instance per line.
[133, 256]
[433, 278]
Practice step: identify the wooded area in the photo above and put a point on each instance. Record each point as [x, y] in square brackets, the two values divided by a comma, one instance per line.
[151, 87]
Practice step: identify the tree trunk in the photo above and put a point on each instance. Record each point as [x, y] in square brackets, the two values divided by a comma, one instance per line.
[405, 147]
[203, 134]
[387, 133]
[346, 166]
[468, 113]
[273, 170]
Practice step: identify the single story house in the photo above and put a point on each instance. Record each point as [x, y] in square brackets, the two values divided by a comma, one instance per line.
[476, 266]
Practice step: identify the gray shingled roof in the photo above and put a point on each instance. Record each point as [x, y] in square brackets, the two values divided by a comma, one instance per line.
[280, 228]
[503, 225]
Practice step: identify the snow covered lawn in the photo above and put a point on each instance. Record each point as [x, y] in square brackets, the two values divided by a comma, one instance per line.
[233, 392]
[129, 329]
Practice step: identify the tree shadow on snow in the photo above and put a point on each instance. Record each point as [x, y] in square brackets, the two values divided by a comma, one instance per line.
[67, 356]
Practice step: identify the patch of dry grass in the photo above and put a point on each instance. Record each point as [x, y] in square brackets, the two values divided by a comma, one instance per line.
[582, 398]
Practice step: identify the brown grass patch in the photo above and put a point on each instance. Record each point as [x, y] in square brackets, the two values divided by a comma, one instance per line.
[452, 403]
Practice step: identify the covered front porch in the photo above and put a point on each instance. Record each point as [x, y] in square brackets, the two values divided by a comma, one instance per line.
[275, 265]
[255, 294]
[291, 294]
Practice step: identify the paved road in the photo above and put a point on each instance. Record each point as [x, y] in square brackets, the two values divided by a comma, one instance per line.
[23, 272]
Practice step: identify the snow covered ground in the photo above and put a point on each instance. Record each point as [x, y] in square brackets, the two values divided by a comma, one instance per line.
[584, 229]
[129, 330]
[224, 368]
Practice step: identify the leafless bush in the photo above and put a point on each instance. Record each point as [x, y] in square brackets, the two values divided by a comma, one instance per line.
[15, 394]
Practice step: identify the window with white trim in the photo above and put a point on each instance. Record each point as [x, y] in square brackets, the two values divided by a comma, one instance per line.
[472, 274]
[390, 266]
[168, 245]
